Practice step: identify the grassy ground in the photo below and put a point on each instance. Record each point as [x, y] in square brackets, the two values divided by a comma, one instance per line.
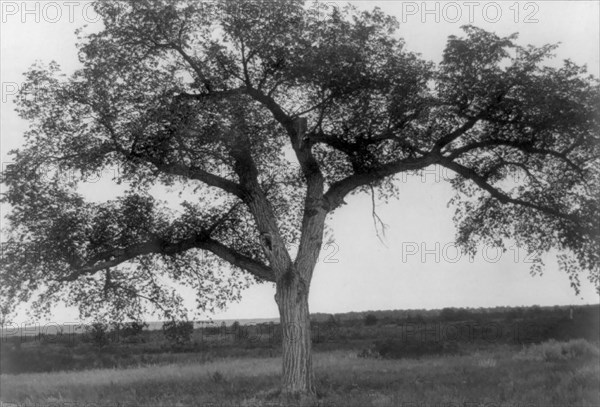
[550, 374]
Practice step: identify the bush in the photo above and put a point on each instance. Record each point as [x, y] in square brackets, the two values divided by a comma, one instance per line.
[396, 349]
[332, 321]
[553, 351]
[130, 331]
[133, 328]
[97, 334]
[370, 320]
[178, 332]
[371, 352]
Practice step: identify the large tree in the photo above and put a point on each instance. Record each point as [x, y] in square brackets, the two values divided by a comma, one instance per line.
[268, 114]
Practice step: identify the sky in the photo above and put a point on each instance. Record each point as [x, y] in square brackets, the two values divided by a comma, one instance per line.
[417, 266]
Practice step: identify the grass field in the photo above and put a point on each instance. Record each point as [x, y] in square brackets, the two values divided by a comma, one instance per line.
[524, 357]
[547, 374]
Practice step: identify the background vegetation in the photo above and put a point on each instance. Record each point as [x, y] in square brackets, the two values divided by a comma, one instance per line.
[537, 355]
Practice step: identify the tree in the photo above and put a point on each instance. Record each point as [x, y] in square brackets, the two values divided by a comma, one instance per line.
[269, 114]
[370, 319]
[178, 332]
[98, 333]
[130, 331]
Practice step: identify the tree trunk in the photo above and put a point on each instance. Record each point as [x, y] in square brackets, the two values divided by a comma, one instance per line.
[292, 299]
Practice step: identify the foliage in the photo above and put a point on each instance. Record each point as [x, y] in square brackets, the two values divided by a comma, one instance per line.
[129, 331]
[370, 319]
[453, 314]
[265, 123]
[133, 328]
[178, 332]
[75, 352]
[395, 349]
[553, 351]
[332, 321]
[240, 332]
[98, 333]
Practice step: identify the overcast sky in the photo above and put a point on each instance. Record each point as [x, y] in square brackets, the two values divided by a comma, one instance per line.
[418, 267]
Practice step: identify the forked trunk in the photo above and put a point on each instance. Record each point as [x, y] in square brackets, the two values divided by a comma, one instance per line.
[292, 299]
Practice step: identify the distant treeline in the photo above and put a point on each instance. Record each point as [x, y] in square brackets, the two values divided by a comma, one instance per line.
[452, 313]
[387, 334]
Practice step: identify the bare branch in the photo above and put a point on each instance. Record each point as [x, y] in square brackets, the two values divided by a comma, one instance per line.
[377, 222]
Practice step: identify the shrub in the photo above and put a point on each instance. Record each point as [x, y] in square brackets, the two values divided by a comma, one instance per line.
[552, 351]
[370, 320]
[130, 331]
[396, 349]
[133, 328]
[581, 348]
[240, 332]
[97, 333]
[178, 332]
[235, 326]
[332, 321]
[448, 314]
[371, 352]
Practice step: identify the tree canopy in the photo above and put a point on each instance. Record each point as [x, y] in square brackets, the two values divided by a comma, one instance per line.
[271, 113]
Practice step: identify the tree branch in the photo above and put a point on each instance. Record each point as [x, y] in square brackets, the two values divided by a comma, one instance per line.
[255, 198]
[202, 241]
[523, 146]
[338, 190]
[448, 138]
[195, 173]
[190, 61]
[314, 210]
[203, 176]
[213, 94]
[501, 196]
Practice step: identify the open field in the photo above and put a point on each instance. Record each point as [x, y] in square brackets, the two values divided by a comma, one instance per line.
[504, 377]
[480, 358]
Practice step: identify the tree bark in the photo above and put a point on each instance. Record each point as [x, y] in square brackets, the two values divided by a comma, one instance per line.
[292, 299]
